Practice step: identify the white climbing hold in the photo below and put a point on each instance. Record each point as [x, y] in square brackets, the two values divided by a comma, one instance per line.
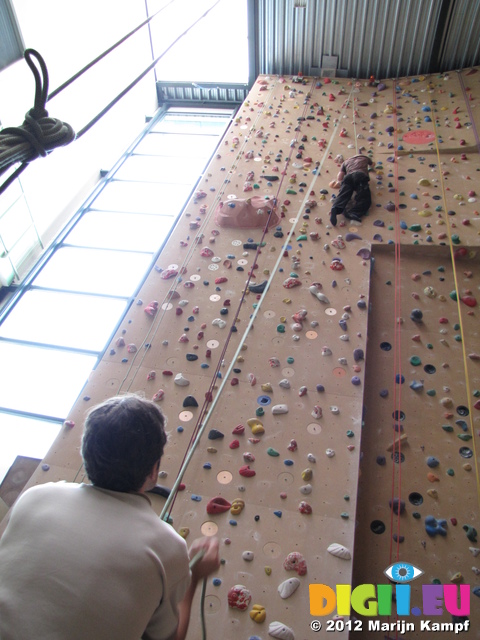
[330, 453]
[474, 551]
[345, 337]
[306, 489]
[248, 556]
[221, 324]
[288, 587]
[311, 457]
[278, 409]
[181, 380]
[279, 630]
[317, 412]
[285, 384]
[326, 351]
[339, 551]
[335, 410]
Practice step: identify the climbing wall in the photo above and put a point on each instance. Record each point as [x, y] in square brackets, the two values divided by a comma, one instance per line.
[321, 383]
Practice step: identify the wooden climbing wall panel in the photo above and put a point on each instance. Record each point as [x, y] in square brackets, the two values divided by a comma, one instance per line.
[268, 344]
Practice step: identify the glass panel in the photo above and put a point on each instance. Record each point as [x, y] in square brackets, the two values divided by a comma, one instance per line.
[215, 50]
[161, 169]
[178, 146]
[115, 273]
[40, 380]
[111, 230]
[190, 124]
[90, 319]
[143, 197]
[14, 223]
[22, 436]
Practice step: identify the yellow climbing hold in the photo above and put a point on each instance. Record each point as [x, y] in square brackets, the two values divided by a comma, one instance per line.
[258, 613]
[425, 214]
[268, 571]
[307, 474]
[256, 426]
[237, 506]
[211, 450]
[267, 387]
[184, 531]
[423, 182]
[287, 301]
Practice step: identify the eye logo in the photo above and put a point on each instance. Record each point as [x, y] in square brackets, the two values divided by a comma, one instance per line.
[402, 572]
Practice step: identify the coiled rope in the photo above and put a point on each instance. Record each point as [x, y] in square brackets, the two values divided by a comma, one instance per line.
[39, 134]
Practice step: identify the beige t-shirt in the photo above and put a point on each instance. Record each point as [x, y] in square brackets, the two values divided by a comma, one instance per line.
[356, 163]
[82, 563]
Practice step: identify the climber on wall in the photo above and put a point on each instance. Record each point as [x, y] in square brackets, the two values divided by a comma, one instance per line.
[352, 178]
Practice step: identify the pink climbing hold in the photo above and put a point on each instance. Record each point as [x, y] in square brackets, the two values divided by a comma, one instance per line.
[159, 395]
[295, 562]
[239, 597]
[246, 472]
[305, 508]
[218, 505]
[470, 301]
[221, 280]
[206, 252]
[168, 273]
[152, 308]
[289, 283]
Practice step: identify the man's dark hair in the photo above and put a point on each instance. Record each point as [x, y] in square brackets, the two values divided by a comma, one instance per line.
[123, 439]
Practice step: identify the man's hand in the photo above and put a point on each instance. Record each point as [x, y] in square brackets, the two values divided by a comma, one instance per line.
[210, 560]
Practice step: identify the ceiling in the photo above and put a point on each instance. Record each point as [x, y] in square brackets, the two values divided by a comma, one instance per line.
[344, 38]
[383, 38]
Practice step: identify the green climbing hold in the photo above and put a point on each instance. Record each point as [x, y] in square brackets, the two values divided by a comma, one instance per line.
[453, 295]
[415, 361]
[272, 452]
[291, 192]
[436, 581]
[259, 412]
[450, 472]
[290, 360]
[344, 515]
[390, 227]
[458, 338]
[281, 328]
[455, 239]
[429, 345]
[350, 433]
[464, 436]
[415, 227]
[447, 427]
[456, 327]
[441, 269]
[431, 392]
[476, 393]
[389, 282]
[256, 186]
[302, 237]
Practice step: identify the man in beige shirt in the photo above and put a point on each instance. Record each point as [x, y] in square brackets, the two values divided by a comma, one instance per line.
[353, 178]
[94, 561]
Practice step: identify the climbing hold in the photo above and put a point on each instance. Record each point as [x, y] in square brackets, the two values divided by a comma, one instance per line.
[239, 597]
[295, 562]
[277, 629]
[434, 527]
[339, 551]
[215, 434]
[305, 508]
[288, 587]
[246, 472]
[218, 505]
[258, 613]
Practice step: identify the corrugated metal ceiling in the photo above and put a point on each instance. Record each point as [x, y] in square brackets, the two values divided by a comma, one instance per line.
[383, 38]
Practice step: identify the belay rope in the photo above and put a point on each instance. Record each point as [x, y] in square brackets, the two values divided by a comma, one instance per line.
[39, 134]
